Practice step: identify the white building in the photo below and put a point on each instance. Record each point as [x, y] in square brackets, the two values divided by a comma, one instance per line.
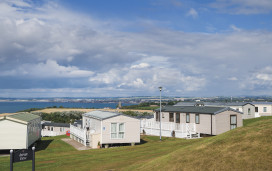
[19, 131]
[263, 108]
[192, 121]
[102, 128]
[247, 108]
[54, 129]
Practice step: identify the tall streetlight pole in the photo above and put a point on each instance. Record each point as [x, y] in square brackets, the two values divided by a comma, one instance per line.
[160, 88]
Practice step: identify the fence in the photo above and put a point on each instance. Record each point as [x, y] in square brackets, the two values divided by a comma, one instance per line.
[168, 129]
[79, 134]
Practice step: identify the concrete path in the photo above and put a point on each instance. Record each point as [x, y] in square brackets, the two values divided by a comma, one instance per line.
[75, 144]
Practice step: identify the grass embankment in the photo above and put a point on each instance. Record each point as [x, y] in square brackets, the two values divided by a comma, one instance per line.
[246, 148]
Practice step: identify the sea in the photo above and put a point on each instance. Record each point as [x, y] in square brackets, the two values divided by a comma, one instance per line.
[12, 107]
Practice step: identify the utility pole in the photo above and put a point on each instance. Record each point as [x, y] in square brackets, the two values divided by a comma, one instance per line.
[160, 88]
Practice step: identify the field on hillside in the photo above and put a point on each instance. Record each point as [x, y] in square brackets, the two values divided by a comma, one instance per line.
[246, 148]
[52, 110]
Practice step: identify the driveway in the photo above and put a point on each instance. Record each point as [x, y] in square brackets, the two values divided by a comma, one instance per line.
[75, 144]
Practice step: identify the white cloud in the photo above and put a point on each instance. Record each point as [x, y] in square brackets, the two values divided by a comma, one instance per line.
[148, 80]
[49, 69]
[193, 13]
[140, 66]
[264, 74]
[51, 42]
[138, 83]
[234, 28]
[259, 81]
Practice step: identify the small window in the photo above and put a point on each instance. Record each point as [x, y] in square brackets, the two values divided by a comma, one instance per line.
[248, 111]
[177, 117]
[233, 121]
[256, 109]
[187, 118]
[171, 117]
[264, 109]
[61, 129]
[197, 118]
[52, 128]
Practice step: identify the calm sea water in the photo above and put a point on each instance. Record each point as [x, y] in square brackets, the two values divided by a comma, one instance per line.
[11, 107]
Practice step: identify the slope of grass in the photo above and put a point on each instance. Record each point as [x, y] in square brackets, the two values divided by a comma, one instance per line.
[61, 156]
[246, 148]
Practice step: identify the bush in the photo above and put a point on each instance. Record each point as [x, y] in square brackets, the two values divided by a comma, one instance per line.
[61, 117]
[133, 113]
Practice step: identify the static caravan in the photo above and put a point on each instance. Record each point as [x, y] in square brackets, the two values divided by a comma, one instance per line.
[19, 131]
[263, 108]
[54, 129]
[106, 128]
[247, 108]
[200, 120]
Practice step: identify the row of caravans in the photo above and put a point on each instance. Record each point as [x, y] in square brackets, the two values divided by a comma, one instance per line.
[19, 131]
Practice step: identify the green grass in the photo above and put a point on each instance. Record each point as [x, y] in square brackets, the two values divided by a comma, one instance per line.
[246, 148]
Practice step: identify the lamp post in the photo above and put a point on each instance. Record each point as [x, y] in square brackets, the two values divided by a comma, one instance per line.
[160, 88]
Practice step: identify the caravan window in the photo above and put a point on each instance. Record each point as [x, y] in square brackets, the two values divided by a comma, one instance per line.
[197, 118]
[157, 116]
[117, 130]
[233, 121]
[177, 117]
[187, 118]
[171, 117]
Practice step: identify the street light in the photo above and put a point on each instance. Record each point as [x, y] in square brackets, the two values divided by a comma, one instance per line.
[160, 88]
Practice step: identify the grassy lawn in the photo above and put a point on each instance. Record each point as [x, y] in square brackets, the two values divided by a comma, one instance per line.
[246, 148]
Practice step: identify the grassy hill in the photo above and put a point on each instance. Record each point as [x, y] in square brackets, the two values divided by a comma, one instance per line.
[246, 148]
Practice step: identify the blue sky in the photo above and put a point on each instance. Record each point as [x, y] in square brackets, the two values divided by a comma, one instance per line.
[83, 48]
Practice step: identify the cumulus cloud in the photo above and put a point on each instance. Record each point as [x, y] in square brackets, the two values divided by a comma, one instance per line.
[264, 75]
[148, 80]
[140, 66]
[193, 13]
[48, 69]
[259, 81]
[48, 46]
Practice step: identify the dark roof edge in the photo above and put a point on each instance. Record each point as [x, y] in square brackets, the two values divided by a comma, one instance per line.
[227, 109]
[248, 103]
[219, 111]
[56, 124]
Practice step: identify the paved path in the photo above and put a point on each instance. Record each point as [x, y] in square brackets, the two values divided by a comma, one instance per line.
[75, 144]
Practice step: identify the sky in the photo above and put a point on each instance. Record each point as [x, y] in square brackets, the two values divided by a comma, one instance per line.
[106, 48]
